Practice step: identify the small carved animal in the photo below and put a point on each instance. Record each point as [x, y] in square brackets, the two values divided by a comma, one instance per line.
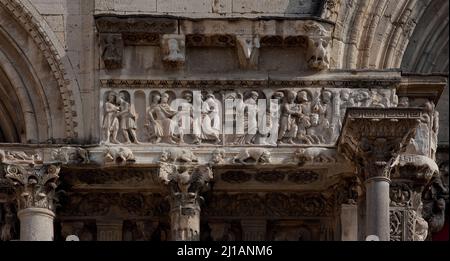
[178, 155]
[71, 155]
[120, 155]
[318, 55]
[314, 155]
[258, 155]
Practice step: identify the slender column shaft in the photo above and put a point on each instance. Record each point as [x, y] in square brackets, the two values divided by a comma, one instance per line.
[377, 204]
[36, 224]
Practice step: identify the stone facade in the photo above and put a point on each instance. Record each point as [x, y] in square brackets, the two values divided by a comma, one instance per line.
[223, 120]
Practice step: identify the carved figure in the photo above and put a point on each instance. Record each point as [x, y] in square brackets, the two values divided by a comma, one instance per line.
[110, 119]
[257, 155]
[112, 51]
[288, 127]
[178, 155]
[160, 116]
[174, 50]
[211, 119]
[127, 117]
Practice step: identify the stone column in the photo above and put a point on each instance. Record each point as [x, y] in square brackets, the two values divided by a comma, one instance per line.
[34, 187]
[372, 139]
[185, 183]
[254, 229]
[377, 201]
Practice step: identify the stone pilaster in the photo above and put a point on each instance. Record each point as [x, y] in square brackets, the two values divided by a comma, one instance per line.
[411, 174]
[34, 188]
[373, 138]
[185, 183]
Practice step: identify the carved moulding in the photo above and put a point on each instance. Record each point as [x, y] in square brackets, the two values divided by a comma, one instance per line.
[126, 205]
[297, 177]
[268, 205]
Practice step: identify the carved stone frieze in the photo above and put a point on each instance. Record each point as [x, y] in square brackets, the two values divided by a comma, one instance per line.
[19, 157]
[34, 186]
[102, 204]
[298, 116]
[270, 204]
[253, 156]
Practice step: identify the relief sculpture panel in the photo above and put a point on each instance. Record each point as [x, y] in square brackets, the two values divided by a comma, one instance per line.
[294, 116]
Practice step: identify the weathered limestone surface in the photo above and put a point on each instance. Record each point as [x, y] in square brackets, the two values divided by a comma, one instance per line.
[94, 89]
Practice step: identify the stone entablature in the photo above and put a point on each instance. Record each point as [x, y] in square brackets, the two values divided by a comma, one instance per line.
[175, 35]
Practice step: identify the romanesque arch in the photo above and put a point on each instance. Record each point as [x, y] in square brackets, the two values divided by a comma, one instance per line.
[43, 101]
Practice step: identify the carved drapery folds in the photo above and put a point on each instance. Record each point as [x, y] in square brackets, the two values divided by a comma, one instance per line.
[185, 180]
[294, 116]
[34, 185]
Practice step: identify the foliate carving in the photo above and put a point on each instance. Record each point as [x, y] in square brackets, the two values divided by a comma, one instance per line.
[303, 177]
[19, 157]
[101, 204]
[34, 186]
[235, 177]
[269, 177]
[173, 48]
[253, 156]
[118, 155]
[376, 137]
[112, 50]
[268, 205]
[185, 181]
[396, 225]
[70, 155]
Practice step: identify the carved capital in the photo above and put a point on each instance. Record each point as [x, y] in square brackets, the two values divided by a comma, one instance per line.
[34, 186]
[375, 137]
[185, 182]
